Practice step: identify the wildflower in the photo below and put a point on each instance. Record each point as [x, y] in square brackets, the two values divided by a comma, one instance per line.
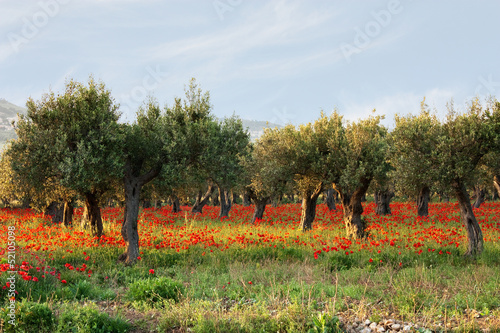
[151, 271]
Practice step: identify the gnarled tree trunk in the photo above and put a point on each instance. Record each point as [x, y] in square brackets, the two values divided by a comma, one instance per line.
[133, 184]
[330, 199]
[496, 183]
[260, 207]
[201, 201]
[351, 204]
[474, 232]
[246, 199]
[423, 199]
[93, 213]
[225, 202]
[176, 206]
[479, 195]
[383, 200]
[309, 201]
[68, 213]
[56, 210]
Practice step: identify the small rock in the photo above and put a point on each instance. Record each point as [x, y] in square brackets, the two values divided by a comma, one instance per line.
[407, 328]
[396, 327]
[373, 325]
[380, 329]
[357, 320]
[388, 322]
[366, 330]
[367, 322]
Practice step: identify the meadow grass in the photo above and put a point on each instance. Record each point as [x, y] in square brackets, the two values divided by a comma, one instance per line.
[227, 275]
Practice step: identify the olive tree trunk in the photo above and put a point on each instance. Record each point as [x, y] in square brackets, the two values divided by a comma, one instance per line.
[351, 204]
[474, 232]
[330, 199]
[246, 199]
[423, 199]
[68, 213]
[225, 202]
[93, 213]
[56, 210]
[201, 201]
[176, 206]
[260, 207]
[133, 184]
[309, 201]
[496, 183]
[383, 200]
[479, 195]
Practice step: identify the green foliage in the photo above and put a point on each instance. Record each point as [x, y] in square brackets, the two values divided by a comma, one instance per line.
[325, 323]
[68, 142]
[30, 317]
[155, 290]
[413, 143]
[88, 319]
[363, 155]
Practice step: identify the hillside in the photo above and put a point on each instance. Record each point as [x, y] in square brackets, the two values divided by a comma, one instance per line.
[256, 128]
[8, 113]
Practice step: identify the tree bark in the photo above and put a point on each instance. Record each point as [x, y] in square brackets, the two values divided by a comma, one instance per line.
[56, 210]
[176, 206]
[496, 183]
[246, 199]
[474, 232]
[383, 200]
[93, 213]
[330, 200]
[225, 202]
[68, 213]
[133, 184]
[260, 207]
[423, 199]
[351, 204]
[309, 201]
[202, 201]
[479, 195]
[215, 200]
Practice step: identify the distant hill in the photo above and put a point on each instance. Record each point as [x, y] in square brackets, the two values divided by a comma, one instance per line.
[256, 128]
[8, 113]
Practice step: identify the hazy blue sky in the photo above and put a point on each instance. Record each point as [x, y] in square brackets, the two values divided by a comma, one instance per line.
[281, 61]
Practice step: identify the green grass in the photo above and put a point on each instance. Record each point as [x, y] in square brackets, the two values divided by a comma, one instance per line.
[262, 288]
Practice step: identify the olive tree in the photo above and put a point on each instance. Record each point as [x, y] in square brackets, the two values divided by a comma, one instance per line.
[160, 139]
[413, 144]
[72, 140]
[363, 157]
[464, 141]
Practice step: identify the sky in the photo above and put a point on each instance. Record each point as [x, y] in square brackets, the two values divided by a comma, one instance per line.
[282, 61]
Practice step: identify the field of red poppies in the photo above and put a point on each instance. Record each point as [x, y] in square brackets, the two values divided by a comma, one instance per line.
[408, 268]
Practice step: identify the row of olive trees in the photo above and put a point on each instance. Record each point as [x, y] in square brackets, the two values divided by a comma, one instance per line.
[422, 154]
[71, 145]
